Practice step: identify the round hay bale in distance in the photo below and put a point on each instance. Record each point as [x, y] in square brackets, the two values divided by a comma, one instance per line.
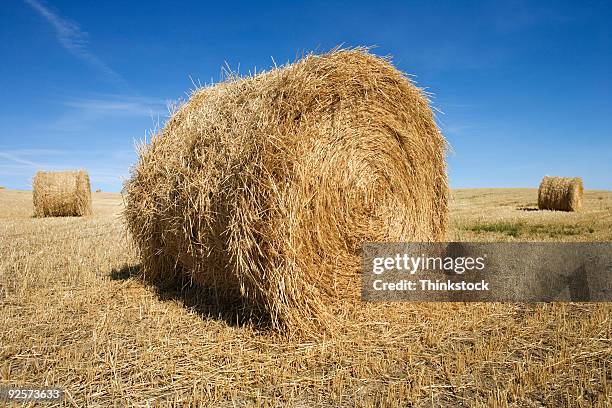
[560, 193]
[61, 194]
[267, 186]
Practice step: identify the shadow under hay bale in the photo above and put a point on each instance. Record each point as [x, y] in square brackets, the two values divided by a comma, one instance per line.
[560, 193]
[206, 302]
[265, 188]
[61, 194]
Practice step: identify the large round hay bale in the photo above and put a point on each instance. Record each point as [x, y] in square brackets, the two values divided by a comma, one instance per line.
[560, 193]
[267, 186]
[61, 193]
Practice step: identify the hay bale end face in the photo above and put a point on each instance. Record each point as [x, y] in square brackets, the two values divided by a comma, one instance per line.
[560, 193]
[61, 194]
[266, 187]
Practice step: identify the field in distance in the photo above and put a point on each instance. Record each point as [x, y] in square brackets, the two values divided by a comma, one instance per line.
[75, 314]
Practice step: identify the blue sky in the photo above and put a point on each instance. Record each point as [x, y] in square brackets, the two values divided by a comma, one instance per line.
[524, 87]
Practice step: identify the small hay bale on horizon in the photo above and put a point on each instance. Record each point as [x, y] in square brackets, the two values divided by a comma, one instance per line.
[560, 193]
[266, 187]
[61, 194]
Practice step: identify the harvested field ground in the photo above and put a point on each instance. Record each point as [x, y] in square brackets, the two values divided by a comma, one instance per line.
[74, 314]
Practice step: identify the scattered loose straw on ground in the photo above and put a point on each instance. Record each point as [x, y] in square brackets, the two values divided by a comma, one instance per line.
[560, 193]
[264, 188]
[60, 194]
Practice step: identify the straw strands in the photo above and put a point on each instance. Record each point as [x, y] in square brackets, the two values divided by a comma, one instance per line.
[58, 194]
[560, 193]
[264, 188]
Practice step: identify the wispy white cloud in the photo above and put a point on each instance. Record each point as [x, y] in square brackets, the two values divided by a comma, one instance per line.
[18, 159]
[31, 152]
[83, 113]
[30, 159]
[18, 166]
[75, 41]
[121, 105]
[458, 129]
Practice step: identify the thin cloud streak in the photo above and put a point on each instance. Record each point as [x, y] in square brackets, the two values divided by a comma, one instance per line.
[17, 159]
[85, 113]
[22, 164]
[74, 40]
[122, 105]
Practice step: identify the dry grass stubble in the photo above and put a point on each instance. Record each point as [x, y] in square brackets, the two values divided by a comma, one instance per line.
[75, 315]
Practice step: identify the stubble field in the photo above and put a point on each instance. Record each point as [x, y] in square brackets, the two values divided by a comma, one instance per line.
[75, 314]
